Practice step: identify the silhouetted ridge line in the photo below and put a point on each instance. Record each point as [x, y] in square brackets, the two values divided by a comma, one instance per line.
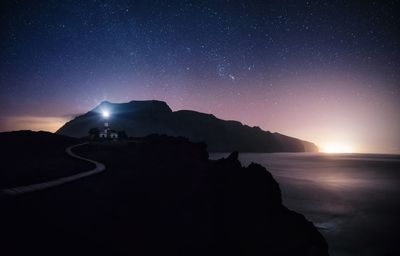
[141, 118]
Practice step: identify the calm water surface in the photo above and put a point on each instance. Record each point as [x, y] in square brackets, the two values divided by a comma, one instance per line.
[352, 198]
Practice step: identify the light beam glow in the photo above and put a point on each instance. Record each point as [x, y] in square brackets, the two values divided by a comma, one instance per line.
[105, 113]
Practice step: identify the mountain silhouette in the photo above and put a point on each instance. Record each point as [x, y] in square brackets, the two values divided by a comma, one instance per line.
[141, 118]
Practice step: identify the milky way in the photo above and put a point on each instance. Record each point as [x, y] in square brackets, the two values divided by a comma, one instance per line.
[325, 71]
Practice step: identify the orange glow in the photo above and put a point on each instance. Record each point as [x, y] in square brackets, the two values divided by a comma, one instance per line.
[34, 123]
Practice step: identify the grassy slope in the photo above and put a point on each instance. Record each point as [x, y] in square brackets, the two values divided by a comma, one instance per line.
[32, 157]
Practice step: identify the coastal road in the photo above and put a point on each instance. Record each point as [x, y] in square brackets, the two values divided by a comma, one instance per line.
[99, 167]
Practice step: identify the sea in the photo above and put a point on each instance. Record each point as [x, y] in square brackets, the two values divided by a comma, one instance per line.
[353, 199]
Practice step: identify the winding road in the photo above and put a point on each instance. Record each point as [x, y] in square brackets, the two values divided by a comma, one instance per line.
[99, 167]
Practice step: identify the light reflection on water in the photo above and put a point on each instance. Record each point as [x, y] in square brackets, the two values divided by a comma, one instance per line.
[351, 198]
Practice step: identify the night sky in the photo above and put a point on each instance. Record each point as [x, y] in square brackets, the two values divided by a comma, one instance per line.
[324, 71]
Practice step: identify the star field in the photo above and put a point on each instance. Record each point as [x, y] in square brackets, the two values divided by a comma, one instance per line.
[318, 70]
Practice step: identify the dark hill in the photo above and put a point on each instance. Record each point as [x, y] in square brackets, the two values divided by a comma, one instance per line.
[159, 196]
[30, 157]
[141, 118]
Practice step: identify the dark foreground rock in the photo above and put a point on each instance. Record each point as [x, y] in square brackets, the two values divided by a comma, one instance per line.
[254, 221]
[159, 196]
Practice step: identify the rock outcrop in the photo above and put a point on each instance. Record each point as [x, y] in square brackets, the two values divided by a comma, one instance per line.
[254, 221]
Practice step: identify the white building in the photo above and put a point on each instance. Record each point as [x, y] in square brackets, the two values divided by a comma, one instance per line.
[107, 133]
[110, 134]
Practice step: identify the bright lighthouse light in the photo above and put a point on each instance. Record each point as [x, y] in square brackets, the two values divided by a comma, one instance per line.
[105, 114]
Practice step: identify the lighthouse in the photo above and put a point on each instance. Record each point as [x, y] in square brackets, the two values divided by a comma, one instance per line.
[106, 115]
[107, 133]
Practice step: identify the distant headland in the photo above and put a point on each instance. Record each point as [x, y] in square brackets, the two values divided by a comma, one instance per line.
[142, 118]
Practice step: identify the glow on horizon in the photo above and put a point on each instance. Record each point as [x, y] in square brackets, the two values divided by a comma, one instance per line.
[34, 123]
[336, 148]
